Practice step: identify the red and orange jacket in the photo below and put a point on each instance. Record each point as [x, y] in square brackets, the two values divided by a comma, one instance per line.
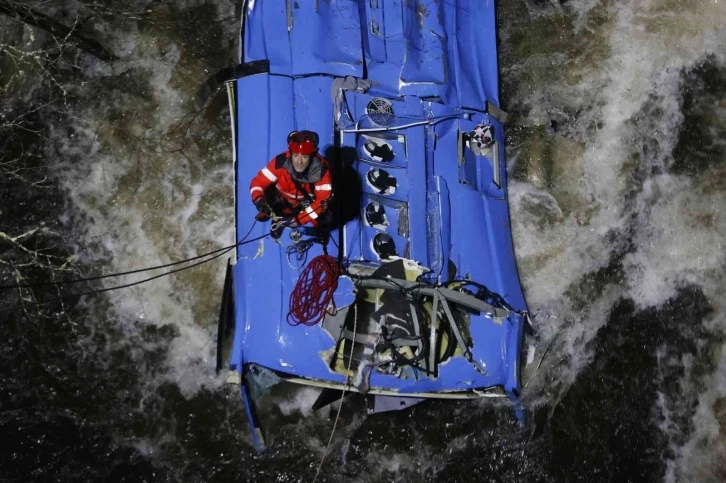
[316, 181]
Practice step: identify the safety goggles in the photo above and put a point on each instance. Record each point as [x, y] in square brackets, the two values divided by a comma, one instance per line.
[302, 136]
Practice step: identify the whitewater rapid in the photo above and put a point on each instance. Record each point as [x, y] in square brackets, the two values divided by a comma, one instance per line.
[613, 197]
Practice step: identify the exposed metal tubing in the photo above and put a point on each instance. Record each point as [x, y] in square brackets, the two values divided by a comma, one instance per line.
[496, 162]
[429, 122]
[290, 21]
[459, 338]
[432, 337]
[416, 328]
[418, 289]
[459, 394]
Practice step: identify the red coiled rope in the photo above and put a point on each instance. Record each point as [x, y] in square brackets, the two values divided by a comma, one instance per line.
[314, 290]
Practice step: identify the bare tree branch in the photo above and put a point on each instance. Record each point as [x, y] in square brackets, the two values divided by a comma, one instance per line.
[38, 19]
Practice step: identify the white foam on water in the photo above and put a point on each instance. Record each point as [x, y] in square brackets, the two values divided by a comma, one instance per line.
[678, 230]
[302, 402]
[420, 460]
[701, 458]
[680, 243]
[146, 202]
[146, 205]
[639, 71]
[582, 8]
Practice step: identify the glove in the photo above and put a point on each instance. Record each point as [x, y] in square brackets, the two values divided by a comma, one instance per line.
[263, 210]
[283, 222]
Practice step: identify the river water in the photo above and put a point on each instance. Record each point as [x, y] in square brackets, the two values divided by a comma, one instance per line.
[617, 165]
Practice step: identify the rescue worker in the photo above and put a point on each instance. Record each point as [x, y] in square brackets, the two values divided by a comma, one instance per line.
[295, 185]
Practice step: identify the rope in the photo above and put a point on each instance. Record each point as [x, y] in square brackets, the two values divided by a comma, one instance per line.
[313, 291]
[139, 270]
[218, 253]
[345, 389]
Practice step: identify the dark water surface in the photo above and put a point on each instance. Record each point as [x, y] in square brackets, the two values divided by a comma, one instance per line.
[617, 154]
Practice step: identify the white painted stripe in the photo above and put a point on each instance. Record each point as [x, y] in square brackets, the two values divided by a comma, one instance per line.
[323, 187]
[268, 174]
[312, 213]
[256, 188]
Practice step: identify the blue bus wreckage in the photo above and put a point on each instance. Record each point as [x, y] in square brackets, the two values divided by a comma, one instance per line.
[418, 281]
